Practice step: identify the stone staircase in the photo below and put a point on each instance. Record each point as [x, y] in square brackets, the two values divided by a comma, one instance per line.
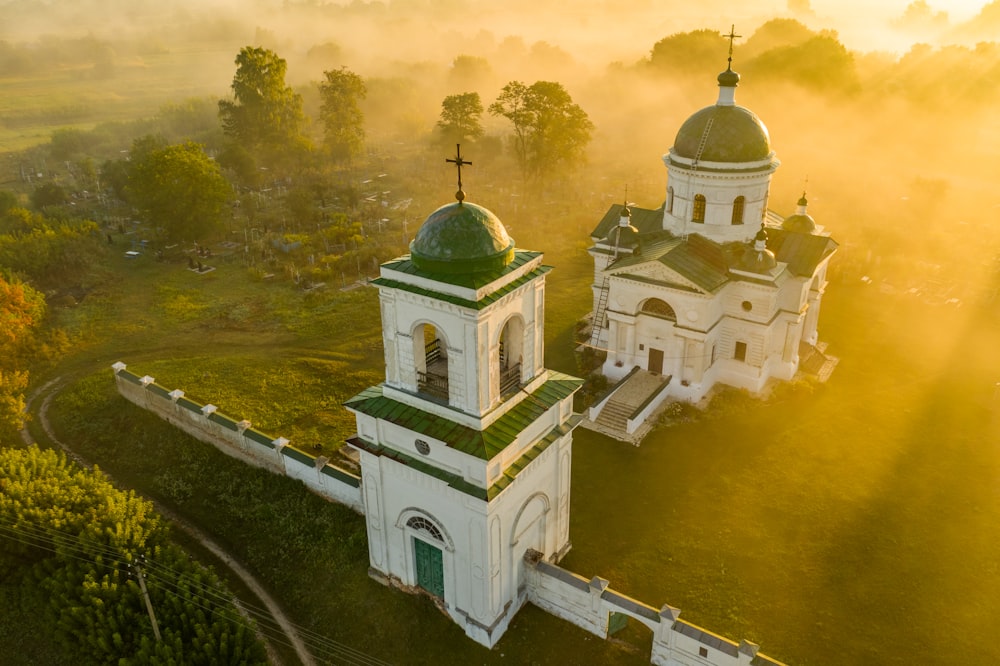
[613, 417]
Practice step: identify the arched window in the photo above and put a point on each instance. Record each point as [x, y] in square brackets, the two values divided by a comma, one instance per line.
[670, 199]
[422, 524]
[763, 207]
[738, 204]
[698, 214]
[658, 308]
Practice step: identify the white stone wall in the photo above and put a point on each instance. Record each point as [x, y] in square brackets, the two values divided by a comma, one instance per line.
[317, 474]
[589, 605]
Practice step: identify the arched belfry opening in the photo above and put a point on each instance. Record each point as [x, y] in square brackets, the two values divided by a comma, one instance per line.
[430, 353]
[511, 355]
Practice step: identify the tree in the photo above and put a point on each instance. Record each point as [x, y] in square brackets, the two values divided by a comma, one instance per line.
[77, 537]
[469, 72]
[820, 63]
[461, 118]
[22, 309]
[264, 112]
[48, 194]
[181, 191]
[343, 122]
[550, 130]
[690, 53]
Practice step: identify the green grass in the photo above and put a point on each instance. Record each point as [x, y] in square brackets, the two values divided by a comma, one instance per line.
[31, 107]
[311, 553]
[853, 522]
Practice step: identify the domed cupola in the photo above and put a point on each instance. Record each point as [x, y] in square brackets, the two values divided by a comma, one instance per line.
[625, 236]
[757, 258]
[719, 168]
[802, 222]
[461, 237]
[723, 132]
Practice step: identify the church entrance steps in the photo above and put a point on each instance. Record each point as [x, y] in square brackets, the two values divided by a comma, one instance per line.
[815, 361]
[626, 401]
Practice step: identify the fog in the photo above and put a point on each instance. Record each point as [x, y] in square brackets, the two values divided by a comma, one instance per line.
[883, 112]
[862, 99]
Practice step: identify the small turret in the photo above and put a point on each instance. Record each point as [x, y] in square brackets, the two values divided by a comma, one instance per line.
[757, 258]
[802, 222]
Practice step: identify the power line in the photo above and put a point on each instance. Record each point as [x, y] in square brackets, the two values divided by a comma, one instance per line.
[73, 546]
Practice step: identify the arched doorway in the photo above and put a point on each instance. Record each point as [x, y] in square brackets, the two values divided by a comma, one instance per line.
[428, 559]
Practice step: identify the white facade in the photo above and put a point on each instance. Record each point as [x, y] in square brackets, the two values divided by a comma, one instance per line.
[465, 449]
[712, 287]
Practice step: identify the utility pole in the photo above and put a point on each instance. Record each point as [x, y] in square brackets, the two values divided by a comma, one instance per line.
[149, 604]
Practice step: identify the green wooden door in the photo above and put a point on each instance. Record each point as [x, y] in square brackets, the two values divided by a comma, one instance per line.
[430, 567]
[617, 622]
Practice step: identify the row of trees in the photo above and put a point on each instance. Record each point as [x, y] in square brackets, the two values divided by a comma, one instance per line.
[183, 192]
[265, 115]
[78, 543]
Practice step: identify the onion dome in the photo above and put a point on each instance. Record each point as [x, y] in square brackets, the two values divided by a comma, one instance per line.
[462, 237]
[729, 78]
[802, 221]
[757, 258]
[724, 132]
[625, 235]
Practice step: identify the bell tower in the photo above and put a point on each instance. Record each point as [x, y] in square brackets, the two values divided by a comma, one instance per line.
[466, 446]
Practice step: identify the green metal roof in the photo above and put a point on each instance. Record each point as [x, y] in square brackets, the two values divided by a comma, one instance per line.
[697, 259]
[406, 264]
[457, 482]
[483, 444]
[643, 219]
[462, 238]
[802, 252]
[489, 299]
[703, 261]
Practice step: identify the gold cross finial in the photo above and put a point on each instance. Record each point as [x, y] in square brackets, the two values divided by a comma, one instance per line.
[459, 163]
[732, 35]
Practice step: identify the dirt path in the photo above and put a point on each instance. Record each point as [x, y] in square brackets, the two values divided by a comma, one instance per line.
[49, 391]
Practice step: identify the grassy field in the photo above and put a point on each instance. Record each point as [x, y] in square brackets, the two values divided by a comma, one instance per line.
[78, 96]
[853, 522]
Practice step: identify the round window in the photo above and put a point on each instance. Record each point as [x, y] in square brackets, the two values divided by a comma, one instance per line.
[423, 447]
[747, 306]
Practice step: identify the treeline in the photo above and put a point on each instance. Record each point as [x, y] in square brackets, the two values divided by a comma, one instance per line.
[50, 52]
[80, 545]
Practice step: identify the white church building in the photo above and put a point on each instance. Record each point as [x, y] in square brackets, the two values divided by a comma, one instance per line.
[465, 448]
[712, 287]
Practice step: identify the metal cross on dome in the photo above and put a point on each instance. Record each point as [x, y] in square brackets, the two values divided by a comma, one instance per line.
[459, 163]
[732, 35]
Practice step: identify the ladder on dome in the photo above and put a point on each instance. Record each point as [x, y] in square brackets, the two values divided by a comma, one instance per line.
[703, 142]
[602, 303]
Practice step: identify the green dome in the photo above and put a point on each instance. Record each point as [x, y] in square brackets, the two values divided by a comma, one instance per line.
[804, 224]
[736, 135]
[462, 237]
